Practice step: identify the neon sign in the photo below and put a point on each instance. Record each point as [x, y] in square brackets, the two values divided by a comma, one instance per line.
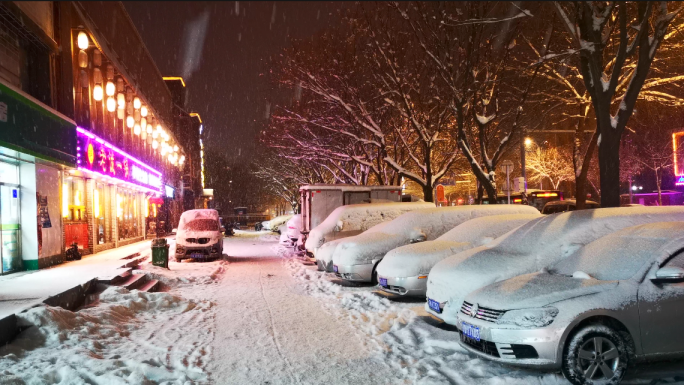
[94, 154]
[677, 146]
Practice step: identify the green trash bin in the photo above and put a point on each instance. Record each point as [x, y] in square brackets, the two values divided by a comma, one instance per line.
[160, 253]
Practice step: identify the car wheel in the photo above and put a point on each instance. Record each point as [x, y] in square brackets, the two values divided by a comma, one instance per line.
[596, 354]
[178, 259]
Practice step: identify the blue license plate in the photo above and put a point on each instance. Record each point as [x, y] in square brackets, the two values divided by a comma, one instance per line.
[434, 305]
[383, 282]
[335, 268]
[196, 255]
[470, 331]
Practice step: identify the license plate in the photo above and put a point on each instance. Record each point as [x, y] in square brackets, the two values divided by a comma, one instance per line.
[383, 282]
[470, 331]
[196, 255]
[335, 268]
[434, 305]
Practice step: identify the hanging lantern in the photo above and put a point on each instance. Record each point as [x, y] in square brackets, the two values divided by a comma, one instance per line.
[120, 113]
[149, 129]
[136, 103]
[143, 134]
[143, 124]
[121, 101]
[82, 59]
[143, 111]
[159, 127]
[120, 85]
[110, 72]
[130, 122]
[97, 57]
[155, 134]
[110, 88]
[175, 148]
[136, 115]
[182, 159]
[83, 79]
[82, 40]
[111, 104]
[155, 144]
[97, 92]
[136, 129]
[97, 76]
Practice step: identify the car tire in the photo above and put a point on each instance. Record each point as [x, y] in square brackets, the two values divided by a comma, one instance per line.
[178, 259]
[596, 354]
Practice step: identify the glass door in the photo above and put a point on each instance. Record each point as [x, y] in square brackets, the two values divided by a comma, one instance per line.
[10, 229]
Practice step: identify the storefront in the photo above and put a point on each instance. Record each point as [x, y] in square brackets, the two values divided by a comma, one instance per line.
[107, 199]
[37, 144]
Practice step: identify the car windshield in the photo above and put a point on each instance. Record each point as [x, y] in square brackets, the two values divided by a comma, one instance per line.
[201, 225]
[610, 258]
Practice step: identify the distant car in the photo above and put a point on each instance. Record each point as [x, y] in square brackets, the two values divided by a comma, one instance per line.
[355, 258]
[276, 223]
[294, 227]
[199, 235]
[404, 270]
[531, 247]
[617, 299]
[566, 205]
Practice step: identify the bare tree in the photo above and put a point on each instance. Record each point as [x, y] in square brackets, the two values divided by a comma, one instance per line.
[607, 35]
[652, 150]
[551, 163]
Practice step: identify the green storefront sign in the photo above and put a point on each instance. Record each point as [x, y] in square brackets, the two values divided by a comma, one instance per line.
[29, 127]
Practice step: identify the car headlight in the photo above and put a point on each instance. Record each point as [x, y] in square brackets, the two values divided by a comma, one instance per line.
[529, 318]
[179, 249]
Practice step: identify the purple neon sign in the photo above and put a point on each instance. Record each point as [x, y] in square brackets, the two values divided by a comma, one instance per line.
[96, 155]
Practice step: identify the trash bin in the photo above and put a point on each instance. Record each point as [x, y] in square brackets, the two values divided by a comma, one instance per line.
[160, 252]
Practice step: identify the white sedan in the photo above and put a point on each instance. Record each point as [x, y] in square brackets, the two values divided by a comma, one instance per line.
[404, 270]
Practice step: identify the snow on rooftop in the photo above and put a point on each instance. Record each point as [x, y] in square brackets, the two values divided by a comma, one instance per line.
[416, 226]
[535, 245]
[419, 258]
[359, 217]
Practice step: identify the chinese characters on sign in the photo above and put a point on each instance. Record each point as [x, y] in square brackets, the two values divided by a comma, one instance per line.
[96, 155]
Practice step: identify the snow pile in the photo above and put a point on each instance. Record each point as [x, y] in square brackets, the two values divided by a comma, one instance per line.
[186, 273]
[419, 258]
[275, 223]
[535, 245]
[416, 226]
[108, 343]
[324, 255]
[352, 219]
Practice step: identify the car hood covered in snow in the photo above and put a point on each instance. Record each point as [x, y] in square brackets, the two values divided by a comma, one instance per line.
[416, 226]
[535, 290]
[359, 217]
[531, 247]
[418, 259]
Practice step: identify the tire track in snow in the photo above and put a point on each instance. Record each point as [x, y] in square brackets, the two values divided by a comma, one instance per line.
[274, 332]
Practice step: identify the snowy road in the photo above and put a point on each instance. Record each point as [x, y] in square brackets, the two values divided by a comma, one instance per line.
[258, 317]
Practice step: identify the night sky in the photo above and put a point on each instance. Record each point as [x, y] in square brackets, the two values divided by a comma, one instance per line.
[222, 74]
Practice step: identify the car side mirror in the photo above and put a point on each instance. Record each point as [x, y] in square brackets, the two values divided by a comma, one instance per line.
[672, 273]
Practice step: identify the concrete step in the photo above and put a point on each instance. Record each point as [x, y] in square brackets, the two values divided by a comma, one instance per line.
[133, 281]
[118, 275]
[150, 286]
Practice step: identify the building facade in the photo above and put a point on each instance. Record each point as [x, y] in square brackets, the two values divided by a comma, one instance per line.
[90, 147]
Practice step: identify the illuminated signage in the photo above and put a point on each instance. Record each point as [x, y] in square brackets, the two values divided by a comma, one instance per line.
[98, 156]
[677, 147]
[169, 191]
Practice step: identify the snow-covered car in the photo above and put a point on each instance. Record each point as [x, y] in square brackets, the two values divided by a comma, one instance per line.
[276, 223]
[294, 227]
[199, 235]
[350, 220]
[531, 247]
[355, 258]
[404, 270]
[617, 299]
[566, 205]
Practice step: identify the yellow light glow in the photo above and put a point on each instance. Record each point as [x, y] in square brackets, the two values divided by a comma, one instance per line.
[65, 200]
[154, 210]
[97, 92]
[136, 129]
[136, 103]
[196, 115]
[110, 88]
[149, 129]
[77, 198]
[143, 123]
[130, 122]
[175, 148]
[175, 78]
[528, 142]
[155, 144]
[119, 208]
[147, 207]
[111, 104]
[159, 127]
[96, 203]
[121, 101]
[143, 111]
[82, 40]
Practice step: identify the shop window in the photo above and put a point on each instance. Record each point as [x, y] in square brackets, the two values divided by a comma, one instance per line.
[127, 215]
[101, 214]
[73, 200]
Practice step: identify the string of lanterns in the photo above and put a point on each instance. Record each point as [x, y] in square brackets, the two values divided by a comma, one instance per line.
[121, 99]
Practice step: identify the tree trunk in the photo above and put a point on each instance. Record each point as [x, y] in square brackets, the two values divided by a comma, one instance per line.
[428, 193]
[609, 167]
[658, 182]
